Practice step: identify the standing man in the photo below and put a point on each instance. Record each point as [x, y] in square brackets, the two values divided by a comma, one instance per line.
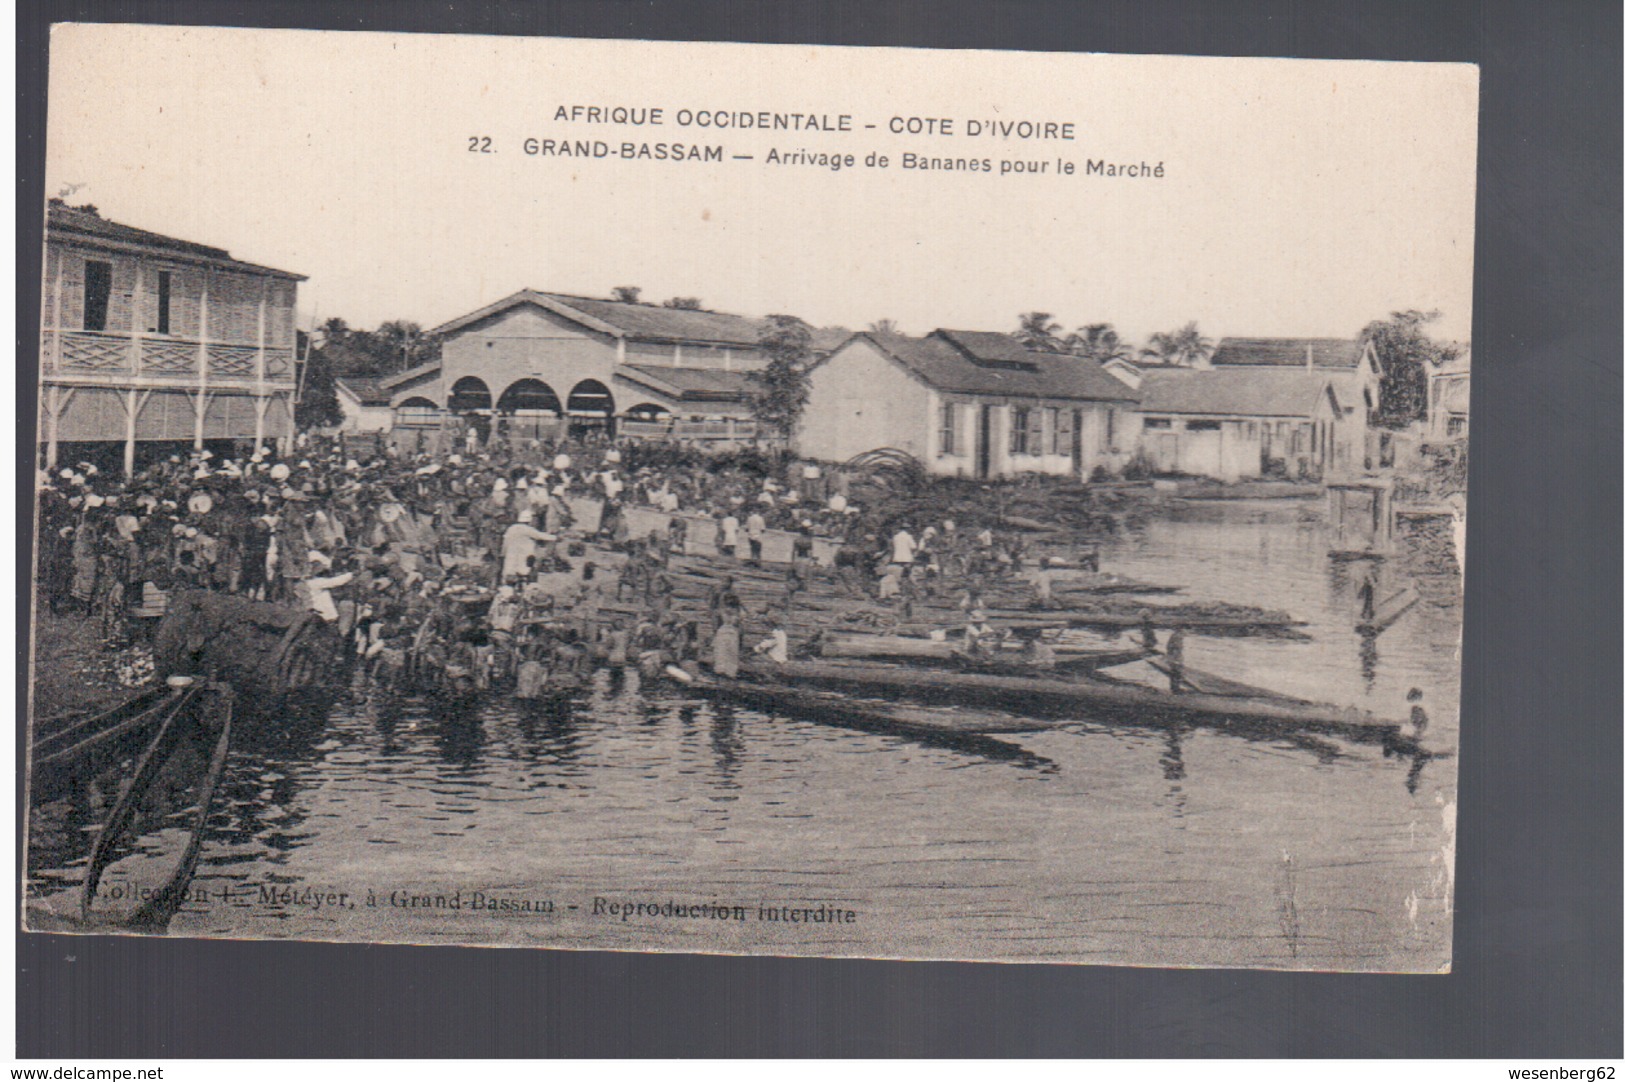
[519, 547]
[1176, 660]
[903, 547]
[755, 531]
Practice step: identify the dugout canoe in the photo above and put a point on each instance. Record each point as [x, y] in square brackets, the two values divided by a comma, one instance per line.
[768, 694]
[1049, 695]
[906, 647]
[154, 886]
[1163, 621]
[81, 749]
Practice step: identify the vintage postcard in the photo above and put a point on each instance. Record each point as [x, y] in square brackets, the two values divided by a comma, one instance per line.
[751, 499]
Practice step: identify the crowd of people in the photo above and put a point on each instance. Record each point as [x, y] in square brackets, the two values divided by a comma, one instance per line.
[477, 565]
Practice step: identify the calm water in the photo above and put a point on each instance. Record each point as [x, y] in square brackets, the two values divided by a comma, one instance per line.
[1094, 842]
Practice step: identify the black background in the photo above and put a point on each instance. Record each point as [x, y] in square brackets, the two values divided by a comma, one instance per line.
[1538, 884]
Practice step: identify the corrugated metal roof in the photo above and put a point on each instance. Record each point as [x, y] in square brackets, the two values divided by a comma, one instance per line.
[1235, 392]
[645, 322]
[654, 322]
[688, 384]
[430, 369]
[368, 390]
[989, 347]
[69, 223]
[1288, 352]
[936, 361]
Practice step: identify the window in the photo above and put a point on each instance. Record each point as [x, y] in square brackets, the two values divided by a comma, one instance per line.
[163, 302]
[949, 443]
[1052, 425]
[98, 288]
[1159, 422]
[1455, 426]
[1201, 426]
[1111, 429]
[1252, 430]
[1020, 425]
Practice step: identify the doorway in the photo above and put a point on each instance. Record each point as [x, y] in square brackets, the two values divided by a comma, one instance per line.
[984, 443]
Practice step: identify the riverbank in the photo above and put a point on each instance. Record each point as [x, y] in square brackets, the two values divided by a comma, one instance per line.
[73, 674]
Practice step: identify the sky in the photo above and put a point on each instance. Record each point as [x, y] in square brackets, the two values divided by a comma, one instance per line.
[1297, 197]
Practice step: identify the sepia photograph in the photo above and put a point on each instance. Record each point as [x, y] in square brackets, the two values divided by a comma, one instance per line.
[845, 502]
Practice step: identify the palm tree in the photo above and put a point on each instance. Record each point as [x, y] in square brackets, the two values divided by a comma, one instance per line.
[1186, 347]
[885, 326]
[1190, 345]
[1099, 342]
[333, 331]
[1038, 331]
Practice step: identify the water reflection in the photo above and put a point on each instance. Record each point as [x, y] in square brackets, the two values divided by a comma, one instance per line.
[1088, 848]
[727, 744]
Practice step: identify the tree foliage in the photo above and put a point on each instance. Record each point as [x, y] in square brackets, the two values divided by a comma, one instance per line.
[687, 304]
[626, 294]
[395, 346]
[885, 326]
[339, 351]
[1407, 353]
[318, 405]
[1186, 347]
[778, 393]
[1038, 330]
[1098, 342]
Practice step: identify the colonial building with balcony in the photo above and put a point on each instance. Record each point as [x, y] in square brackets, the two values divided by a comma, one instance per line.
[150, 340]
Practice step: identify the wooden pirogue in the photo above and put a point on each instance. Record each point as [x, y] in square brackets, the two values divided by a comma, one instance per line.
[201, 717]
[79, 750]
[1050, 694]
[907, 647]
[868, 713]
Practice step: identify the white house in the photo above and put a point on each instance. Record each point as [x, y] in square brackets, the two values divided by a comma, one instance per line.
[1239, 423]
[1449, 387]
[364, 402]
[967, 403]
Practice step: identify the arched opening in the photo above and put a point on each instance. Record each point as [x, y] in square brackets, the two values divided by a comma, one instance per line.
[469, 394]
[530, 410]
[648, 420]
[591, 408]
[417, 413]
[471, 400]
[529, 396]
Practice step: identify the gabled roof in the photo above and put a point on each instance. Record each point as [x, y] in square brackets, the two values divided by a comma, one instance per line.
[411, 375]
[687, 384]
[938, 362]
[1288, 352]
[618, 319]
[826, 340]
[1257, 392]
[367, 390]
[989, 347]
[1453, 398]
[1458, 365]
[67, 223]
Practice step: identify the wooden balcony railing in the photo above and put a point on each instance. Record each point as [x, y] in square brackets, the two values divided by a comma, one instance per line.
[92, 353]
